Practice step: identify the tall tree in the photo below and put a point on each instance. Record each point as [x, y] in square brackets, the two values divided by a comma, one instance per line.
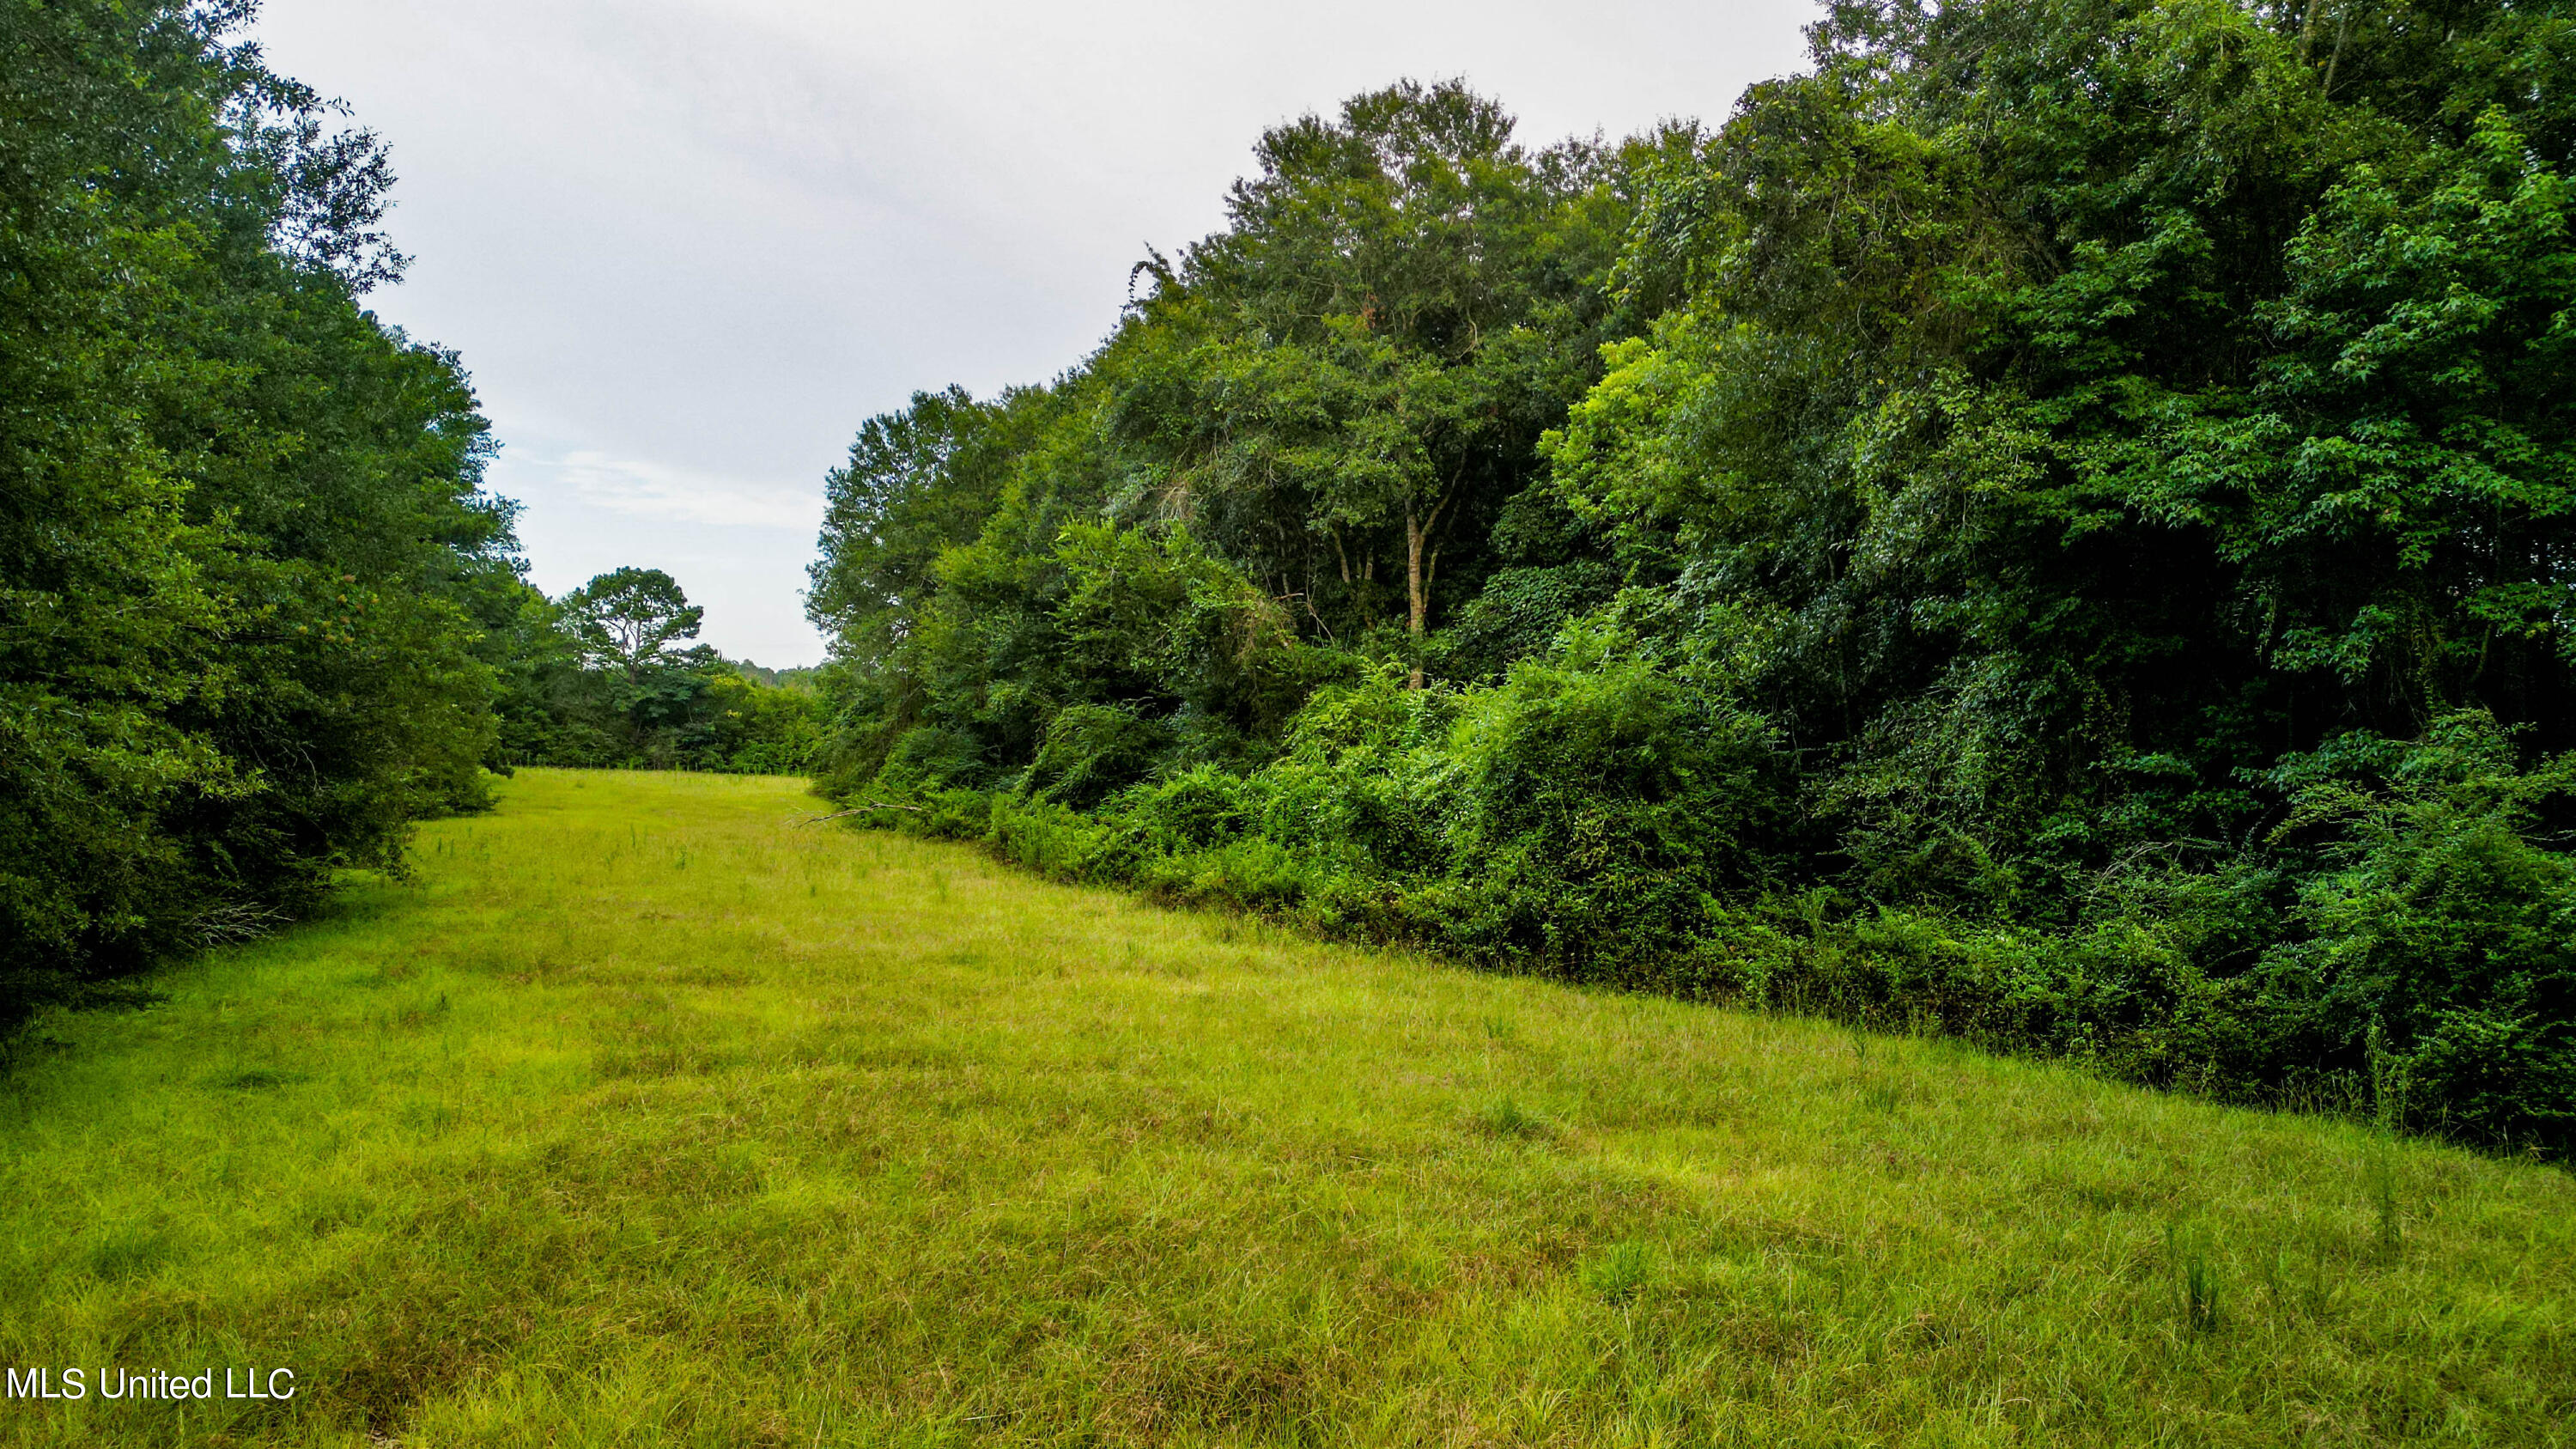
[630, 619]
[1361, 362]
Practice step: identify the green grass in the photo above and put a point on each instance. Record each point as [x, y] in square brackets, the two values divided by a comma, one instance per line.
[645, 1114]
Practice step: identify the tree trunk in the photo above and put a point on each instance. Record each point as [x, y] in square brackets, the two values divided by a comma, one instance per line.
[1417, 605]
[2343, 32]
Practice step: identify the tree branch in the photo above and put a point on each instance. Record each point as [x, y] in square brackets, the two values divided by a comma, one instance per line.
[860, 809]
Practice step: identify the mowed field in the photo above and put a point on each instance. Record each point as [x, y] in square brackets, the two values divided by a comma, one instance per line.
[646, 1114]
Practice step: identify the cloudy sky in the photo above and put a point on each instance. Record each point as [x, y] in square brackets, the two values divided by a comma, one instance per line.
[687, 246]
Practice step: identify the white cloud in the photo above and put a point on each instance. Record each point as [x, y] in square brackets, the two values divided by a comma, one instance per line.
[639, 488]
[702, 240]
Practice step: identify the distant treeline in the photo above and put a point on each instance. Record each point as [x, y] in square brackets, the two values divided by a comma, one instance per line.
[256, 613]
[2052, 525]
[600, 678]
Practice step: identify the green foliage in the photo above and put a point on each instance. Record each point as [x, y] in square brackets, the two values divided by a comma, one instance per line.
[1519, 613]
[2443, 930]
[247, 579]
[2051, 525]
[1361, 362]
[1091, 750]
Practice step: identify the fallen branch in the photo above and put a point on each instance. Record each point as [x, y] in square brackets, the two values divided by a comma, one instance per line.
[861, 809]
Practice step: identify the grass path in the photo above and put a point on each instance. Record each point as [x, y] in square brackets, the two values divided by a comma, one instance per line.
[645, 1115]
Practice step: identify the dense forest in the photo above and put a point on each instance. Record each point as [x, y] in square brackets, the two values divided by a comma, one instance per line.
[2051, 525]
[257, 613]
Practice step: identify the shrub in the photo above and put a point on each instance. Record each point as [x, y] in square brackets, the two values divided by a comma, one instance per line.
[1593, 816]
[2445, 923]
[1090, 751]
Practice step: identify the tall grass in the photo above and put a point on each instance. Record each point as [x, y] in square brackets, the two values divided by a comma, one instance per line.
[855, 1139]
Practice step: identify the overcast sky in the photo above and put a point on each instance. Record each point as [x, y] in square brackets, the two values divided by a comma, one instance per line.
[686, 246]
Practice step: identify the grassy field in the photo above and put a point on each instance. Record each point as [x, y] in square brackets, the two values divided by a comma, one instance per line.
[646, 1114]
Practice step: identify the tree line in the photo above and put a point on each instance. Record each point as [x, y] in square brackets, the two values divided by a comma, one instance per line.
[603, 677]
[257, 612]
[2051, 524]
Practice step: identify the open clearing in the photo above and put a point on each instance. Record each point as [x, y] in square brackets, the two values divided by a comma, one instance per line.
[645, 1114]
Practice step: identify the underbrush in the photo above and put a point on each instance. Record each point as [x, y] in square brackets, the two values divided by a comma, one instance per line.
[2400, 942]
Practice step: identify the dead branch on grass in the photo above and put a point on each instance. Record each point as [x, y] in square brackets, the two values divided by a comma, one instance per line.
[862, 809]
